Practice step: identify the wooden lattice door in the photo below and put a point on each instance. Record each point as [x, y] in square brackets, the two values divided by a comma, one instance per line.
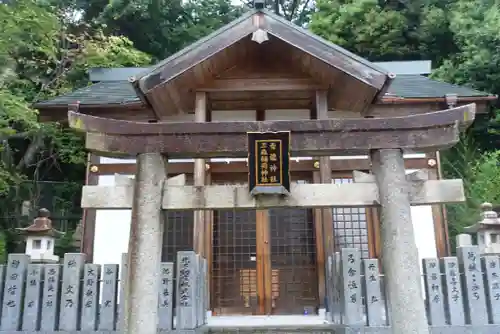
[234, 270]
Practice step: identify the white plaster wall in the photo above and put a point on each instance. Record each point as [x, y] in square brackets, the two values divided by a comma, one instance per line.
[232, 115]
[287, 115]
[425, 237]
[112, 230]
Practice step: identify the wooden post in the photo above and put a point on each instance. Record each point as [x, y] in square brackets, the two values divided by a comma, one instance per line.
[326, 245]
[438, 212]
[209, 242]
[264, 280]
[89, 215]
[200, 228]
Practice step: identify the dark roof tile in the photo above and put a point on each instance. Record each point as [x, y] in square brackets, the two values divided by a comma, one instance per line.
[417, 86]
[101, 93]
[122, 92]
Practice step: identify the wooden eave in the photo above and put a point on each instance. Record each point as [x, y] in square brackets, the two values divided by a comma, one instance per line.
[131, 111]
[169, 86]
[418, 100]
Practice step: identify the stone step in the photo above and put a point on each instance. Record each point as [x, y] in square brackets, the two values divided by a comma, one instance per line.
[308, 329]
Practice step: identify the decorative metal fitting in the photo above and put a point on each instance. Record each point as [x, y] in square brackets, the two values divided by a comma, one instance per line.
[207, 167]
[316, 164]
[431, 162]
[94, 169]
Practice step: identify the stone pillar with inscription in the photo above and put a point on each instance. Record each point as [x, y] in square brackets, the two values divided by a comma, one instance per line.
[51, 296]
[71, 288]
[142, 282]
[187, 271]
[15, 280]
[399, 250]
[109, 295]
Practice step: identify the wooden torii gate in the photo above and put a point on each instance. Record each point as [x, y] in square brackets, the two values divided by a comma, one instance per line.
[383, 139]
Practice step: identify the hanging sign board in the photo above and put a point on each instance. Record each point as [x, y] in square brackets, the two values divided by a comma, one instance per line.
[269, 163]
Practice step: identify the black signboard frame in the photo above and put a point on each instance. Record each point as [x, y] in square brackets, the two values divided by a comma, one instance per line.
[269, 162]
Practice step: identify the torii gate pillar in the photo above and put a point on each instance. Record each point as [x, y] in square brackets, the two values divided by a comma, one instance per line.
[145, 242]
[399, 249]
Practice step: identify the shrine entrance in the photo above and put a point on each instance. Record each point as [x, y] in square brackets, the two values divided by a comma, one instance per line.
[234, 265]
[281, 240]
[258, 235]
[294, 282]
[264, 262]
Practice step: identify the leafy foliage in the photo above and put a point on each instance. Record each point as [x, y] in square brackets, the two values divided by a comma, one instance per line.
[45, 52]
[461, 38]
[481, 175]
[386, 30]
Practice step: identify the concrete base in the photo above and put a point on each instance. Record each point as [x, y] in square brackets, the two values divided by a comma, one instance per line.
[298, 329]
[44, 258]
[316, 329]
[467, 329]
[201, 330]
[323, 314]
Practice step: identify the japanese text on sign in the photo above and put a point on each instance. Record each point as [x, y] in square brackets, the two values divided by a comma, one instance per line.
[185, 282]
[269, 166]
[453, 277]
[434, 284]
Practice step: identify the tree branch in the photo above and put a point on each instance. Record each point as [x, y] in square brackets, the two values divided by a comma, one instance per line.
[31, 152]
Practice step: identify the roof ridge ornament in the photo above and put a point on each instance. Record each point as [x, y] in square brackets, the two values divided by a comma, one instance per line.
[260, 36]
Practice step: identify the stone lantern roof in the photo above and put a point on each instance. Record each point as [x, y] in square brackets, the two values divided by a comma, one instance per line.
[489, 220]
[42, 226]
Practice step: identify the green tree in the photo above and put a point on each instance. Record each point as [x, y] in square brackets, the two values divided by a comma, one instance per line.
[386, 30]
[475, 26]
[160, 27]
[45, 52]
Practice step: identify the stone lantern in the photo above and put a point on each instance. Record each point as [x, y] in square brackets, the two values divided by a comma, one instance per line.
[78, 236]
[40, 238]
[487, 230]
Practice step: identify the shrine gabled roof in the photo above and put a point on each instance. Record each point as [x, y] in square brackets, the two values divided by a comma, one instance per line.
[254, 20]
[121, 92]
[169, 87]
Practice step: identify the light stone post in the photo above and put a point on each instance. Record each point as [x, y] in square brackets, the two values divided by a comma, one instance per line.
[144, 256]
[399, 249]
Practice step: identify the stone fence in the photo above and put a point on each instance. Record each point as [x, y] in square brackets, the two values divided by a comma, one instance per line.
[79, 297]
[462, 294]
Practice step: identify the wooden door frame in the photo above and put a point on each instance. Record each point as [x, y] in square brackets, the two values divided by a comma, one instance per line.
[263, 242]
[264, 272]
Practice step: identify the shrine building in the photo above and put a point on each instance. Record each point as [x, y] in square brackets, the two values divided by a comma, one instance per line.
[260, 68]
